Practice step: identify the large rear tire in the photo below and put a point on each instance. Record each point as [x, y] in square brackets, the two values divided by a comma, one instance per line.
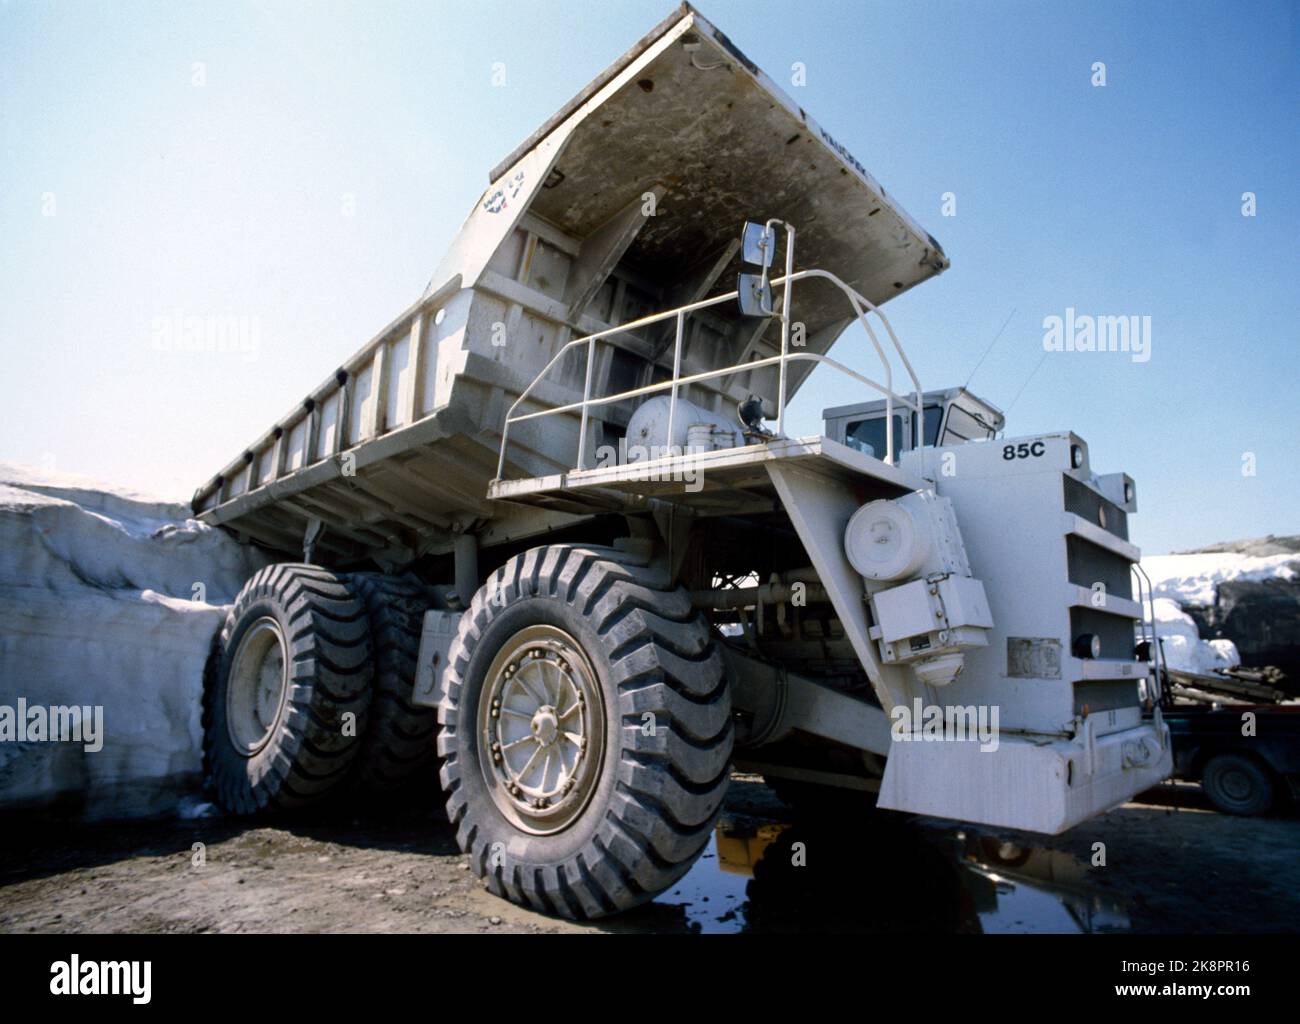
[399, 737]
[288, 689]
[585, 731]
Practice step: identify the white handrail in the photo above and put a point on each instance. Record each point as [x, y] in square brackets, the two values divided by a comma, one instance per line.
[785, 327]
[862, 307]
[1147, 600]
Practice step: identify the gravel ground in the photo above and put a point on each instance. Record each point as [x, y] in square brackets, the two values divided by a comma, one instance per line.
[1171, 865]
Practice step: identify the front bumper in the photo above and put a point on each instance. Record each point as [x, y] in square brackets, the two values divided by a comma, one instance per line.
[1034, 785]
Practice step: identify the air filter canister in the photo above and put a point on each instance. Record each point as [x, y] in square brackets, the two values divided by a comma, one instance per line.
[888, 540]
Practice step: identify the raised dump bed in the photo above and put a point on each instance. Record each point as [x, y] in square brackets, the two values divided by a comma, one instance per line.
[628, 201]
[607, 638]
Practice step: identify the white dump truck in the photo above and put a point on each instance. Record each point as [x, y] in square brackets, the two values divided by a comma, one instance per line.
[548, 527]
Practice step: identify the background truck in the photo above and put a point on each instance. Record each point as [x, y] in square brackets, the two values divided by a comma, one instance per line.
[550, 522]
[1245, 767]
[1236, 731]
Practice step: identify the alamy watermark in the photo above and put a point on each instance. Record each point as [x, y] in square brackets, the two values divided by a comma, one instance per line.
[936, 723]
[208, 334]
[1076, 332]
[629, 455]
[75, 977]
[58, 723]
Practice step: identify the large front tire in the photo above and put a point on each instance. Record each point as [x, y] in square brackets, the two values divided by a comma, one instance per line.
[288, 689]
[585, 731]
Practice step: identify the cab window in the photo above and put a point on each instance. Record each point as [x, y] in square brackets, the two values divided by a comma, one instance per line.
[869, 435]
[964, 425]
[933, 421]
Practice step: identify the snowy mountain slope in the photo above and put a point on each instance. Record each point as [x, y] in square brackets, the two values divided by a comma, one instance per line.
[1245, 591]
[1192, 579]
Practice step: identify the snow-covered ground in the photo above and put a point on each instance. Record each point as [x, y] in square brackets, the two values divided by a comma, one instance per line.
[1191, 579]
[108, 602]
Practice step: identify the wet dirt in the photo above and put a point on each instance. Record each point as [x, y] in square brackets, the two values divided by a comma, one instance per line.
[1166, 863]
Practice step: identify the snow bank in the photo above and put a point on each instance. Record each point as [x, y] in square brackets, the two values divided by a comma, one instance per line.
[1246, 592]
[1193, 579]
[108, 600]
[1181, 643]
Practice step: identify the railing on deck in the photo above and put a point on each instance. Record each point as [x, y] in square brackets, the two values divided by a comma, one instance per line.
[861, 307]
[1146, 599]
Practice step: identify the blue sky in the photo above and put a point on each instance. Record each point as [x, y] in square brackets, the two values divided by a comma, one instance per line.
[304, 165]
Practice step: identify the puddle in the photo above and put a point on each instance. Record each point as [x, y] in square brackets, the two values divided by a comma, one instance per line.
[1035, 889]
[881, 877]
[712, 896]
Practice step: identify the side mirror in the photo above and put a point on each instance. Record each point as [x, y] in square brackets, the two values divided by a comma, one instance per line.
[757, 244]
[754, 294]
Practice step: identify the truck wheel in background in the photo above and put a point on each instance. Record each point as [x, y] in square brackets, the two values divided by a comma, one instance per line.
[293, 660]
[399, 737]
[585, 731]
[1237, 784]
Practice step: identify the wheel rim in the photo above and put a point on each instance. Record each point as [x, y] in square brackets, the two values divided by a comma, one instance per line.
[1236, 785]
[542, 726]
[258, 685]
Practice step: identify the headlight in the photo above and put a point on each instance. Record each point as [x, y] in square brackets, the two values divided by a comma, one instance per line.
[1087, 645]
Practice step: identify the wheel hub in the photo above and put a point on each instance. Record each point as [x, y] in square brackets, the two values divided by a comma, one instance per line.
[546, 726]
[541, 719]
[1236, 785]
[257, 687]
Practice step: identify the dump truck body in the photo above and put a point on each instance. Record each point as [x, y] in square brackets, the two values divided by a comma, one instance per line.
[609, 570]
[627, 202]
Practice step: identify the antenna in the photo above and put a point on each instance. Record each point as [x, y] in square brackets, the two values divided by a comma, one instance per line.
[990, 348]
[1007, 412]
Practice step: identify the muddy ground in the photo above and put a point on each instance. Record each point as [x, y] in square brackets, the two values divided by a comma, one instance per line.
[1171, 865]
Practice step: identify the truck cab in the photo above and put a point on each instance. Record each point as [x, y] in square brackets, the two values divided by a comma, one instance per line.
[951, 416]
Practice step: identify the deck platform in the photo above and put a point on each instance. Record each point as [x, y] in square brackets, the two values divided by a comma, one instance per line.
[732, 481]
